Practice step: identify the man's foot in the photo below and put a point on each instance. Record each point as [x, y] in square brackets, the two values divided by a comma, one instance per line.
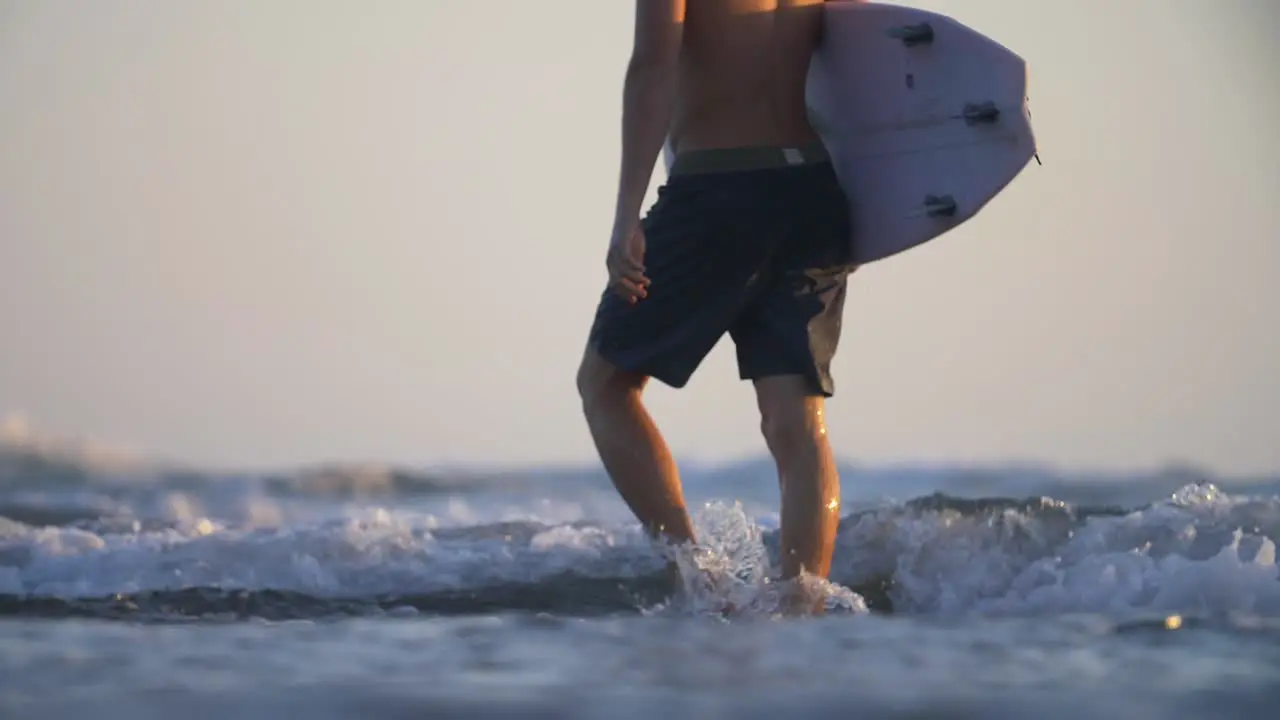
[801, 597]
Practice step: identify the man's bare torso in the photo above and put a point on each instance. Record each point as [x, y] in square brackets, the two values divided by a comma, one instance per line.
[742, 71]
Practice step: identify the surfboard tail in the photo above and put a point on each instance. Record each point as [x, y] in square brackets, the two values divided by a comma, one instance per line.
[927, 119]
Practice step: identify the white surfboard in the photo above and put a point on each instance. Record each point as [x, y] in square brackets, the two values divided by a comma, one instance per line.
[925, 118]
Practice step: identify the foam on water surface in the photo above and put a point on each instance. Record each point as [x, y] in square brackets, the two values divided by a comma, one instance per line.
[1192, 555]
[72, 528]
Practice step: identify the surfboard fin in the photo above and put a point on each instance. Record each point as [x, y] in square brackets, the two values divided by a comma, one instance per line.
[939, 205]
[977, 113]
[912, 35]
[1035, 155]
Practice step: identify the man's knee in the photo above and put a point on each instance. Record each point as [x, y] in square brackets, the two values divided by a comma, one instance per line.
[790, 415]
[785, 428]
[600, 381]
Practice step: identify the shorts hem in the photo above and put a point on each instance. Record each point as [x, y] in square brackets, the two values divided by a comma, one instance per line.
[819, 386]
[675, 380]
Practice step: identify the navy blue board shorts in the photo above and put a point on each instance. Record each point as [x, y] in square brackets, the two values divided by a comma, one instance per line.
[749, 241]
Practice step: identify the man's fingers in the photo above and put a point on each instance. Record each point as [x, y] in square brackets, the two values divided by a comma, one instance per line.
[635, 276]
[631, 272]
[630, 289]
[626, 274]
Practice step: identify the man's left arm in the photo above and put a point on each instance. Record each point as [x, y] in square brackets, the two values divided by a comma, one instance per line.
[648, 100]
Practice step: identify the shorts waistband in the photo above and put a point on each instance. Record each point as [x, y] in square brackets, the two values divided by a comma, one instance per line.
[736, 159]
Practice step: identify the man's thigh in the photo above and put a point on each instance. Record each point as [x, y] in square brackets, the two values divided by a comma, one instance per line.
[703, 255]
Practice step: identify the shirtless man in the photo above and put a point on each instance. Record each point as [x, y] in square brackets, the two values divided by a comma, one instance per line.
[749, 236]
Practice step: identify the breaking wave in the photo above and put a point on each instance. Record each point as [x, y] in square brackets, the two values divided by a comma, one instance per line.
[82, 538]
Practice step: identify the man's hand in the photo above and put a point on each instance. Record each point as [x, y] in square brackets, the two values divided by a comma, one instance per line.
[625, 261]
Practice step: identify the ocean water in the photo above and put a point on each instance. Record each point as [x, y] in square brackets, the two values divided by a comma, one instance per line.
[136, 590]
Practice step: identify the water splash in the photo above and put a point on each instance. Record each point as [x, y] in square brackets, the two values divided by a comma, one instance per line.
[731, 573]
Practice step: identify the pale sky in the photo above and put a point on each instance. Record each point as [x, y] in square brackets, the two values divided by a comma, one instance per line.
[249, 233]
